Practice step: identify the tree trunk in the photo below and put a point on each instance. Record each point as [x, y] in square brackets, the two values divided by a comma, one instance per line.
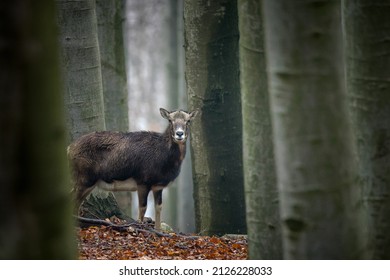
[34, 196]
[368, 66]
[213, 86]
[319, 196]
[110, 19]
[110, 22]
[171, 213]
[82, 75]
[185, 202]
[261, 196]
[81, 67]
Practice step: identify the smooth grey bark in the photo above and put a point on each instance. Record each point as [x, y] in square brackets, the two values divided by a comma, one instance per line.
[319, 194]
[110, 23]
[186, 217]
[213, 87]
[110, 20]
[261, 195]
[81, 67]
[367, 26]
[37, 218]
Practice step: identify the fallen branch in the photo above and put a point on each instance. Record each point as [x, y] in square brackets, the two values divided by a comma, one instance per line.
[132, 226]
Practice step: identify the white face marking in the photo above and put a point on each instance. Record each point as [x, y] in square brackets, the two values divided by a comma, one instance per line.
[179, 123]
[180, 134]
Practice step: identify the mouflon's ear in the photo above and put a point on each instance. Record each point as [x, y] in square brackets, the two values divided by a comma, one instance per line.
[194, 113]
[164, 113]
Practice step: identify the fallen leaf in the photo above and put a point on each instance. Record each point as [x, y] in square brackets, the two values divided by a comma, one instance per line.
[106, 243]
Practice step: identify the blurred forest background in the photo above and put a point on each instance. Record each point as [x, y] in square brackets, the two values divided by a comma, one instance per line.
[292, 146]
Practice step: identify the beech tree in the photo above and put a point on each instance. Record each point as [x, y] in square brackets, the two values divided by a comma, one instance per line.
[83, 88]
[261, 195]
[81, 67]
[213, 87]
[321, 213]
[34, 194]
[366, 25]
[110, 20]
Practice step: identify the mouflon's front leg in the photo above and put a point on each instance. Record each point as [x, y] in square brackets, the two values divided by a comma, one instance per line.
[157, 194]
[143, 192]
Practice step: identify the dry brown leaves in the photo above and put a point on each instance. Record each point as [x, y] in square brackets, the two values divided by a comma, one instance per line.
[108, 244]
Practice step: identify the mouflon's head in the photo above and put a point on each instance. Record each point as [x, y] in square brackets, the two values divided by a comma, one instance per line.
[179, 122]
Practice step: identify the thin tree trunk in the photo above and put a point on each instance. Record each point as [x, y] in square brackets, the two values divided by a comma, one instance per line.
[34, 196]
[110, 20]
[262, 207]
[213, 86]
[367, 26]
[320, 210]
[169, 25]
[186, 211]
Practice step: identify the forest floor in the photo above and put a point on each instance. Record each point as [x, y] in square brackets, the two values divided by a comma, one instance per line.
[102, 242]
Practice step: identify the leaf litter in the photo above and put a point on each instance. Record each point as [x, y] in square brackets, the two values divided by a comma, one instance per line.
[106, 243]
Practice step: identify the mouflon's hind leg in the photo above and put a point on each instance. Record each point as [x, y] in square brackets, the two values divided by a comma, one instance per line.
[157, 194]
[79, 194]
[143, 192]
